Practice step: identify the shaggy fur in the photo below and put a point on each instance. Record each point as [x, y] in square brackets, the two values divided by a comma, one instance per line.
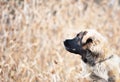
[99, 63]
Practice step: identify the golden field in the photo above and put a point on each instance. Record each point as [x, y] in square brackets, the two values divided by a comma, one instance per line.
[32, 34]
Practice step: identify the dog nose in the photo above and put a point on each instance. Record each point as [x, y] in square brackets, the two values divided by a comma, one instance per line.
[66, 43]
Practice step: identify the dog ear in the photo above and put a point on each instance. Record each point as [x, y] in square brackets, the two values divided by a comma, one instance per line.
[84, 33]
[81, 34]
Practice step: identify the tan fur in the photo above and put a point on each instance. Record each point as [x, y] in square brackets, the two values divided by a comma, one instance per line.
[108, 68]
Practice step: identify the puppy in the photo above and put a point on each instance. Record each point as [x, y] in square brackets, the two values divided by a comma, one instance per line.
[101, 64]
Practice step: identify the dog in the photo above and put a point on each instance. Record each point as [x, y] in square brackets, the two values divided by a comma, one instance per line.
[99, 61]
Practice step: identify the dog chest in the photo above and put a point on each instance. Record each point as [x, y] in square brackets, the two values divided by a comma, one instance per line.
[101, 71]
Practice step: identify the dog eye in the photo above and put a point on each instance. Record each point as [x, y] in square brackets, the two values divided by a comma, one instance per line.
[89, 40]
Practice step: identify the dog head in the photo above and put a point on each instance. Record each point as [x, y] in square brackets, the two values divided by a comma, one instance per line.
[75, 45]
[89, 44]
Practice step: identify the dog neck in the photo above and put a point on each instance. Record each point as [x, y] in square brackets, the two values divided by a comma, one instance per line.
[105, 59]
[91, 58]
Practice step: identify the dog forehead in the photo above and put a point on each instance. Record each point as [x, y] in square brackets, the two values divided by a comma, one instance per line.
[94, 35]
[91, 34]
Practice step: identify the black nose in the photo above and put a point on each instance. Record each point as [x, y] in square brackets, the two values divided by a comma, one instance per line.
[66, 43]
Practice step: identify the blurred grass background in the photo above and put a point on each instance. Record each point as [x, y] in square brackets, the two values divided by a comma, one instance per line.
[32, 34]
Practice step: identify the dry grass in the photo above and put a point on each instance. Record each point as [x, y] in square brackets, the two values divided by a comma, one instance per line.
[32, 34]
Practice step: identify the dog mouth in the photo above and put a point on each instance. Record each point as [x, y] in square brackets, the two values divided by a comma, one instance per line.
[70, 49]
